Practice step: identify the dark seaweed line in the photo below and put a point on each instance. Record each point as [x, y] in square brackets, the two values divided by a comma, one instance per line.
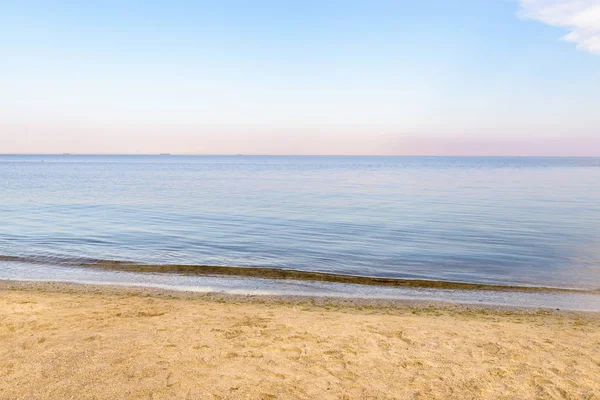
[290, 274]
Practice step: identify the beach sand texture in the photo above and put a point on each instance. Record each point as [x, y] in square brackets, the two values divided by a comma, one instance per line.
[61, 342]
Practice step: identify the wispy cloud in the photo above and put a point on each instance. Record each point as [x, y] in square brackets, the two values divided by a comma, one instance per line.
[582, 17]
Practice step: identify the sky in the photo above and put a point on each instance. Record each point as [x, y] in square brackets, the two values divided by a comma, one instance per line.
[377, 77]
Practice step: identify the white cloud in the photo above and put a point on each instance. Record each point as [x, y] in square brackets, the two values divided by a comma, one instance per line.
[582, 17]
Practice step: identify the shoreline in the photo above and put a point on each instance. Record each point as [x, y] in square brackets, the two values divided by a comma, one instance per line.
[294, 274]
[63, 340]
[283, 299]
[251, 287]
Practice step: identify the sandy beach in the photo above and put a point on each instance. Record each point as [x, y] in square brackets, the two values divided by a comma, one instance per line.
[60, 341]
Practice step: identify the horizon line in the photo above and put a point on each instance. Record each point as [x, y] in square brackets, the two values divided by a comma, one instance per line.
[292, 155]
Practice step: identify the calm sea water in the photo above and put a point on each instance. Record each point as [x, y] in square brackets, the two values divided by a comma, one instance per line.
[523, 221]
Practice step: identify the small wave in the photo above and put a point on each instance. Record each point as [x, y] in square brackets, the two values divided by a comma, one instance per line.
[278, 273]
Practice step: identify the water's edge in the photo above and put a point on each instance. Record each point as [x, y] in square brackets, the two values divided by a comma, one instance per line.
[290, 274]
[272, 298]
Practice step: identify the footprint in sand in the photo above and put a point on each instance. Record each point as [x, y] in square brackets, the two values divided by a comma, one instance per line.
[291, 352]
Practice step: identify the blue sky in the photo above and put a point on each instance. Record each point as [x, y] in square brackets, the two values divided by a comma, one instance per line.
[485, 77]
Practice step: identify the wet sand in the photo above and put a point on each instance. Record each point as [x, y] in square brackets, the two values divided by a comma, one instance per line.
[100, 342]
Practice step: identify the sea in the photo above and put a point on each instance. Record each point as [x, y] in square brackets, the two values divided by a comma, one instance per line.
[506, 221]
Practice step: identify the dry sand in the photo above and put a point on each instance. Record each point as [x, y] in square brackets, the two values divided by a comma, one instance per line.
[89, 342]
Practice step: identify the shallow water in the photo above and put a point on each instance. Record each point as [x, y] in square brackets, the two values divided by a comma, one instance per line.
[508, 221]
[579, 301]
